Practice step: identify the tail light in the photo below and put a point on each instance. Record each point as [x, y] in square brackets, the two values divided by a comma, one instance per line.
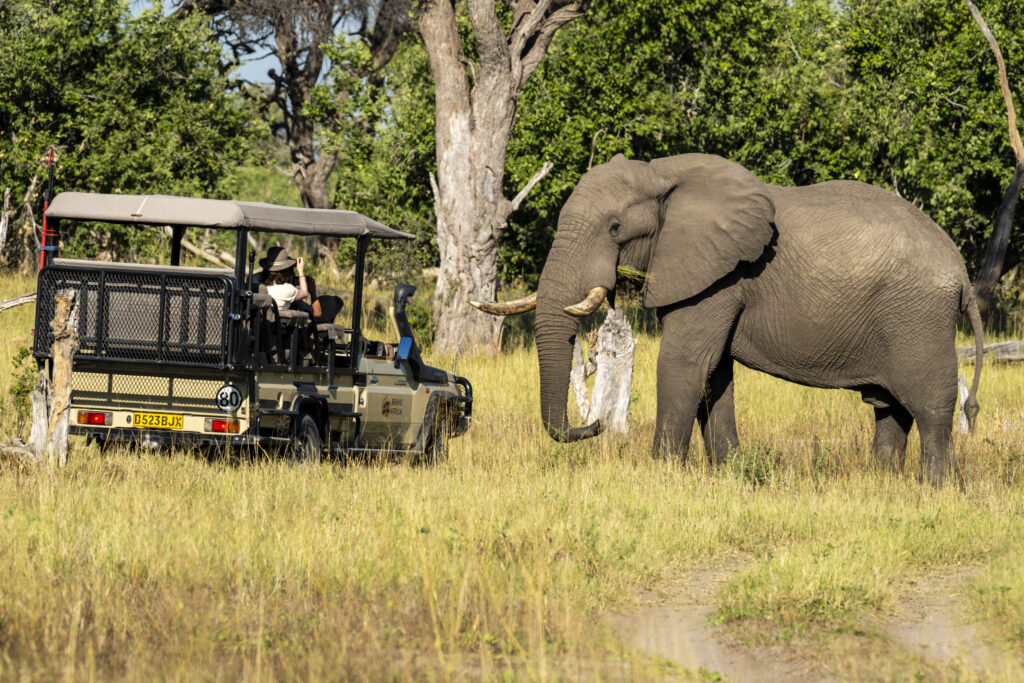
[86, 417]
[226, 426]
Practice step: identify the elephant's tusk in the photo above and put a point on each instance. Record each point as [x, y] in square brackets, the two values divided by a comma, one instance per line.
[514, 307]
[588, 305]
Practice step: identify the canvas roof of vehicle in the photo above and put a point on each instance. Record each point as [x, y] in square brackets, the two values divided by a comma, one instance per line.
[216, 213]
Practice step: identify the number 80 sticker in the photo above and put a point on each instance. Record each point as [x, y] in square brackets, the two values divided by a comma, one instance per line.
[229, 399]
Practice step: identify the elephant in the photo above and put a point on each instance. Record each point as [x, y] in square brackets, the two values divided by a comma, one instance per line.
[839, 285]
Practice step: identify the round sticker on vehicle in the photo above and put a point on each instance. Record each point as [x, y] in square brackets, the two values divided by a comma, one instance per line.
[229, 399]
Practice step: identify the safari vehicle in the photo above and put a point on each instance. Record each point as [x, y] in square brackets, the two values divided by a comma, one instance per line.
[181, 355]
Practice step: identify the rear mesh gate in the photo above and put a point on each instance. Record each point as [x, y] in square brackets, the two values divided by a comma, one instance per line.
[141, 317]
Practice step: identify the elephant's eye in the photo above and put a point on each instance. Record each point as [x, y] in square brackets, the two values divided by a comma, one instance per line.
[615, 229]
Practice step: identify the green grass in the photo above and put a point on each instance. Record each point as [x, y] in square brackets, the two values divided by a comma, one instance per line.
[500, 560]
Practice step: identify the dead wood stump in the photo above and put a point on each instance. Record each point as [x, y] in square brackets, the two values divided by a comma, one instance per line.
[611, 361]
[51, 402]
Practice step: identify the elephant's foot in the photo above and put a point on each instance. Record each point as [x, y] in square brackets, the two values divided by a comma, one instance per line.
[667, 447]
[720, 439]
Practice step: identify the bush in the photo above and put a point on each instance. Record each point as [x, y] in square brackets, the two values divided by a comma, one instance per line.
[23, 381]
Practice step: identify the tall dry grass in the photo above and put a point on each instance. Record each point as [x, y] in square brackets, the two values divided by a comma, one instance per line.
[498, 561]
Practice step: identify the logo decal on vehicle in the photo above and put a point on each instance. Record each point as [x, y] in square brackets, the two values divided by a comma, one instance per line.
[385, 407]
[229, 399]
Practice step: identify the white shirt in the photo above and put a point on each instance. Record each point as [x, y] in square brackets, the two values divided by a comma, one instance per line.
[283, 294]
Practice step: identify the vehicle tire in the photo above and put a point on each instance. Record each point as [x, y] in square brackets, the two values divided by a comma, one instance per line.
[435, 442]
[307, 445]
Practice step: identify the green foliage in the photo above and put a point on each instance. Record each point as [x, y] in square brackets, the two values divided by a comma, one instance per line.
[900, 94]
[754, 465]
[23, 380]
[131, 103]
[384, 168]
[646, 79]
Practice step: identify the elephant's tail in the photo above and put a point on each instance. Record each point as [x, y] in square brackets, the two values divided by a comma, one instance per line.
[969, 304]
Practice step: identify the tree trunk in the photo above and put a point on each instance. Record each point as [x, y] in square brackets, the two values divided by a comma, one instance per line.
[995, 256]
[475, 112]
[5, 216]
[468, 267]
[997, 352]
[473, 127]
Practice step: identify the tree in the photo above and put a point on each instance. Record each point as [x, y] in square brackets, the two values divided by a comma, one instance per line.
[296, 33]
[383, 168]
[992, 268]
[646, 79]
[132, 104]
[476, 91]
[899, 94]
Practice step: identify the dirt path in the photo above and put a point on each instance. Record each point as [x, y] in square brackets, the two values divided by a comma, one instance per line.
[932, 619]
[676, 627]
[930, 632]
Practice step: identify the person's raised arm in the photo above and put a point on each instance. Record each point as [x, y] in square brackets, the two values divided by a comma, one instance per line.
[300, 266]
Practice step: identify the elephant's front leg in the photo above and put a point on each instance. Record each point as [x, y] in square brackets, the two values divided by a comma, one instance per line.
[716, 414]
[693, 346]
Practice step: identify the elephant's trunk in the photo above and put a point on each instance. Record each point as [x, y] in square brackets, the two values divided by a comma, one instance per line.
[556, 335]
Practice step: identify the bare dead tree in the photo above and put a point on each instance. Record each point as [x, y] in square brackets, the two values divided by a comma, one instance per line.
[995, 256]
[51, 399]
[475, 103]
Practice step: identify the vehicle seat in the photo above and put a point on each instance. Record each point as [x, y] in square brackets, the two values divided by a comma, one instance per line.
[420, 370]
[282, 329]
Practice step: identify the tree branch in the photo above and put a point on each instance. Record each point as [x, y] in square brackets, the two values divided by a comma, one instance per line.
[995, 256]
[535, 25]
[17, 301]
[495, 60]
[537, 177]
[1011, 115]
[437, 194]
[192, 248]
[992, 269]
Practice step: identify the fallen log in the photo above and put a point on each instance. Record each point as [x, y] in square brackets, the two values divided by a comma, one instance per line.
[17, 301]
[998, 352]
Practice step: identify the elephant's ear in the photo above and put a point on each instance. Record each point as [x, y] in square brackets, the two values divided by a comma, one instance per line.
[716, 215]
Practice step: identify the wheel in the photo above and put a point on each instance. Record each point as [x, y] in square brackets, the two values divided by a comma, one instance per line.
[307, 444]
[435, 442]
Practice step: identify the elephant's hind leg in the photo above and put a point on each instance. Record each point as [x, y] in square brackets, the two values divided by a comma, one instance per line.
[716, 414]
[937, 453]
[932, 401]
[892, 424]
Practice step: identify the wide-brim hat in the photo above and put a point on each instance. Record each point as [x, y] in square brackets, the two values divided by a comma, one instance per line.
[277, 259]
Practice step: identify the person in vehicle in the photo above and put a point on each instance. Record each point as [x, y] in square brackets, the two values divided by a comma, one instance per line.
[279, 277]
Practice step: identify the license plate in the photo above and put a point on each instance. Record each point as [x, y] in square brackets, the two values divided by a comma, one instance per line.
[157, 421]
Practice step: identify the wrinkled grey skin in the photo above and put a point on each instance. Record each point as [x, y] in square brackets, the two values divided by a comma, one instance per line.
[840, 285]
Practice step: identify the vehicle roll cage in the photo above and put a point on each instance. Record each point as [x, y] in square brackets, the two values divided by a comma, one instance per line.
[181, 213]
